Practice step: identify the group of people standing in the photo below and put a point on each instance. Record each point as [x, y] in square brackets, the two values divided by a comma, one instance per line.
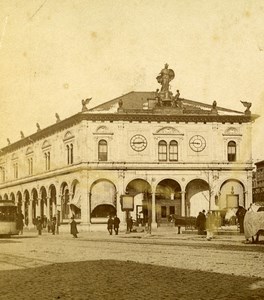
[206, 224]
[113, 223]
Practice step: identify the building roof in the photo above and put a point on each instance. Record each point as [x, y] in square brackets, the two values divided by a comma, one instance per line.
[137, 100]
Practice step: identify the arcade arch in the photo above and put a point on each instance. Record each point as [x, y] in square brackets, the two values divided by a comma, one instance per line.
[232, 194]
[141, 190]
[197, 197]
[168, 200]
[103, 200]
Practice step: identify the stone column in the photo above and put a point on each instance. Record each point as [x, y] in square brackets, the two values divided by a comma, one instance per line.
[248, 193]
[154, 224]
[38, 207]
[183, 213]
[23, 207]
[30, 218]
[48, 208]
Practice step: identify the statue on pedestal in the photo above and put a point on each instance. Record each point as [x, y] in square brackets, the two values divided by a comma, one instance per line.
[164, 78]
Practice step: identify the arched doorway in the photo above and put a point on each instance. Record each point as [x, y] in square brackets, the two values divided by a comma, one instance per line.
[103, 201]
[52, 202]
[168, 200]
[232, 194]
[43, 202]
[197, 197]
[141, 190]
[19, 201]
[34, 205]
[65, 202]
[76, 201]
[12, 197]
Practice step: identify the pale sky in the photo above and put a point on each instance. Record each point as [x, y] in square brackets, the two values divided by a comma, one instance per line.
[54, 53]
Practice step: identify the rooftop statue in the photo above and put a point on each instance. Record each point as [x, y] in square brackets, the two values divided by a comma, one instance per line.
[8, 141]
[38, 127]
[247, 105]
[57, 118]
[22, 134]
[84, 103]
[164, 78]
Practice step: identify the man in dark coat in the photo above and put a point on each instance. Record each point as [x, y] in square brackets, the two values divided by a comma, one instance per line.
[74, 230]
[110, 224]
[240, 214]
[200, 222]
[116, 224]
[20, 222]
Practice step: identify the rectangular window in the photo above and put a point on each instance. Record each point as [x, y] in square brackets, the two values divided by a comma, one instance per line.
[102, 150]
[173, 151]
[15, 168]
[162, 149]
[163, 211]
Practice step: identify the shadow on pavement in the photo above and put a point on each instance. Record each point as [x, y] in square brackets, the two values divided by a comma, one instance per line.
[110, 279]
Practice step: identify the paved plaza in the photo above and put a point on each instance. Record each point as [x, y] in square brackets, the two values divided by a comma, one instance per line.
[130, 266]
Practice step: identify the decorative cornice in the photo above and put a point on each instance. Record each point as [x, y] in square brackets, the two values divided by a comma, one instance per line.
[128, 117]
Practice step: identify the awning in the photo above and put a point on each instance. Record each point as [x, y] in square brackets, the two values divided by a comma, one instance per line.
[77, 200]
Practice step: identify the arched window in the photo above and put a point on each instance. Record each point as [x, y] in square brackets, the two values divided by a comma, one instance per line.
[102, 150]
[69, 154]
[173, 151]
[162, 151]
[231, 151]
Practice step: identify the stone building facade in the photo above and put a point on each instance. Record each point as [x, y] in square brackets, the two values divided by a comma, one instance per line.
[174, 155]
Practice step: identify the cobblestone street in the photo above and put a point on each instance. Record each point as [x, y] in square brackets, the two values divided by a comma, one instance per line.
[130, 266]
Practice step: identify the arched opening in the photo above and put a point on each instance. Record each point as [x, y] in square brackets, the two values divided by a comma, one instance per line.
[34, 205]
[76, 201]
[141, 190]
[5, 197]
[197, 197]
[12, 197]
[65, 202]
[103, 201]
[43, 203]
[168, 200]
[52, 202]
[232, 194]
[19, 201]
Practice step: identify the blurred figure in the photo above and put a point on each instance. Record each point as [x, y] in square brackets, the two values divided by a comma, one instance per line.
[240, 214]
[130, 224]
[74, 230]
[200, 223]
[53, 225]
[210, 225]
[39, 225]
[110, 224]
[116, 224]
[20, 222]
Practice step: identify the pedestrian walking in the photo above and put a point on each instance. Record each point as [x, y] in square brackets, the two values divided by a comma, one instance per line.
[210, 225]
[53, 225]
[200, 223]
[130, 224]
[110, 224]
[116, 224]
[39, 225]
[20, 222]
[74, 230]
[240, 214]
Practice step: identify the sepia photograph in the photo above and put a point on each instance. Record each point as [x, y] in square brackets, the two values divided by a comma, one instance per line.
[131, 149]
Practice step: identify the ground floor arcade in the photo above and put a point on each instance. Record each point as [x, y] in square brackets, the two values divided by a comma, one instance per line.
[92, 195]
